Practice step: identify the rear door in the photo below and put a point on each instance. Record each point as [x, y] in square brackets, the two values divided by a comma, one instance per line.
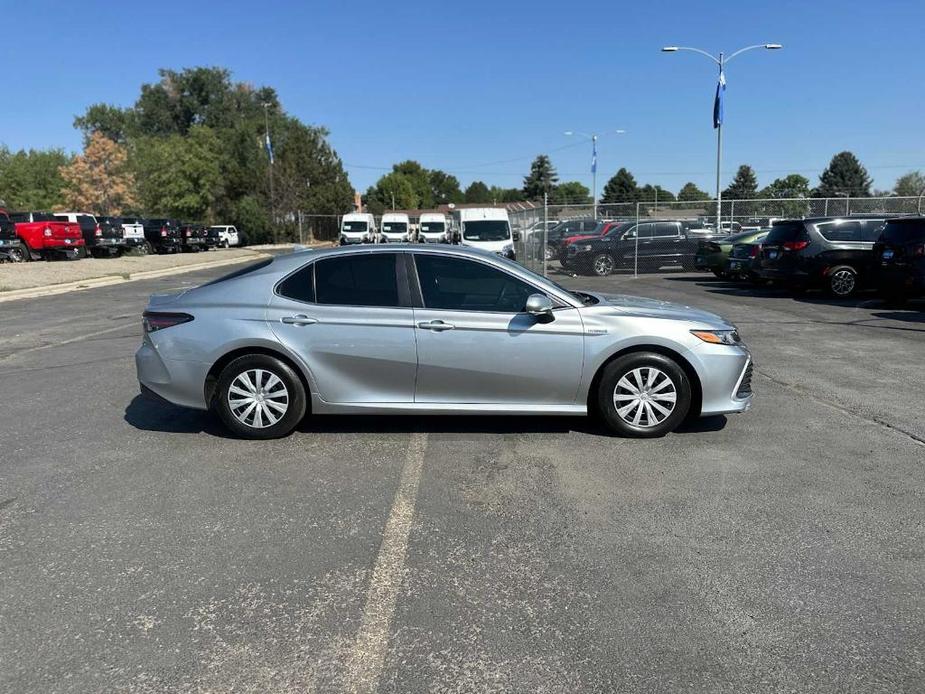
[477, 345]
[351, 322]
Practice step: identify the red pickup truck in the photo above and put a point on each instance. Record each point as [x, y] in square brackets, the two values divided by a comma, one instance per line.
[45, 236]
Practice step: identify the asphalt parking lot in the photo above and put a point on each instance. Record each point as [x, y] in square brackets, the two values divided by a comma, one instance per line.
[142, 550]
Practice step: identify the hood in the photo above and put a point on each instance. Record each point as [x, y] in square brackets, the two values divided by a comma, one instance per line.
[654, 308]
[579, 237]
[493, 246]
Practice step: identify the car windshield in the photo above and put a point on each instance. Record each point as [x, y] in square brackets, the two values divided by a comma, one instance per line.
[486, 230]
[785, 231]
[354, 226]
[900, 231]
[432, 227]
[394, 227]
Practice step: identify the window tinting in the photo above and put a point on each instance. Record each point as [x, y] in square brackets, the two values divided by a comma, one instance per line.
[840, 231]
[785, 231]
[904, 231]
[646, 231]
[666, 229]
[871, 229]
[357, 280]
[466, 285]
[299, 286]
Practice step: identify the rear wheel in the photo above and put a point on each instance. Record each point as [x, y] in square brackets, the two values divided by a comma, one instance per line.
[643, 395]
[259, 397]
[602, 264]
[843, 281]
[20, 254]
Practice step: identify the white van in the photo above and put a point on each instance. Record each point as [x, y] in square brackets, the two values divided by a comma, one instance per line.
[395, 226]
[433, 227]
[488, 228]
[357, 227]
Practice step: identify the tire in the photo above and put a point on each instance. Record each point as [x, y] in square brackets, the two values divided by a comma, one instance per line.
[602, 264]
[144, 248]
[720, 274]
[843, 281]
[242, 374]
[618, 384]
[20, 254]
[550, 252]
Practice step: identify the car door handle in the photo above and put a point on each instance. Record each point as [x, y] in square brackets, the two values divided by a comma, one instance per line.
[300, 319]
[437, 325]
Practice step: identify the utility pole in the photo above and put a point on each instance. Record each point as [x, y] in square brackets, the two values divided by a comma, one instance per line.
[266, 121]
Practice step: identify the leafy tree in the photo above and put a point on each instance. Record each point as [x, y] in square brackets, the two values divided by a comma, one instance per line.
[621, 188]
[792, 186]
[912, 183]
[843, 175]
[419, 178]
[744, 186]
[31, 180]
[655, 194]
[180, 176]
[691, 193]
[478, 192]
[393, 191]
[444, 187]
[99, 179]
[499, 194]
[541, 179]
[571, 193]
[112, 122]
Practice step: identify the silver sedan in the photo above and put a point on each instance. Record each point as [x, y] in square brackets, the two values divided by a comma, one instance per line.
[432, 330]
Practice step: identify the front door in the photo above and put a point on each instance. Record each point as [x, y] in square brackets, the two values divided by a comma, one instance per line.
[344, 316]
[476, 344]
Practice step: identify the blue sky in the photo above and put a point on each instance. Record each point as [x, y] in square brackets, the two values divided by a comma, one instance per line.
[464, 85]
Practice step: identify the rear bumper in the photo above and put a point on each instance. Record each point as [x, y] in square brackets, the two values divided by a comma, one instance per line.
[900, 280]
[178, 382]
[133, 241]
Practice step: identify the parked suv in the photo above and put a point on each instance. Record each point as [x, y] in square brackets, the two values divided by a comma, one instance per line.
[830, 253]
[658, 243]
[101, 239]
[11, 248]
[44, 236]
[563, 230]
[899, 259]
[163, 235]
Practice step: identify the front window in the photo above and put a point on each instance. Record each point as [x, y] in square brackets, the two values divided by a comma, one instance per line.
[432, 227]
[394, 228]
[486, 230]
[467, 285]
[354, 227]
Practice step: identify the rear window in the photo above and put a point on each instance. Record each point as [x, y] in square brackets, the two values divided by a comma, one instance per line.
[786, 231]
[904, 231]
[43, 217]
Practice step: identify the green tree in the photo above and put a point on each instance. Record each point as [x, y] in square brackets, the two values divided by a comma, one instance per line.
[444, 187]
[419, 178]
[744, 186]
[621, 188]
[655, 194]
[392, 191]
[912, 183]
[31, 180]
[500, 194]
[571, 193]
[114, 123]
[541, 180]
[691, 193]
[843, 175]
[477, 192]
[792, 186]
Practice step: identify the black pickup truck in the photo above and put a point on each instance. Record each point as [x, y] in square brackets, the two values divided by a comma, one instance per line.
[11, 248]
[657, 243]
[163, 235]
[193, 237]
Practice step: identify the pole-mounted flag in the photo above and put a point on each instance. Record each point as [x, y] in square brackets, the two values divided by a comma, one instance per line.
[269, 148]
[718, 101]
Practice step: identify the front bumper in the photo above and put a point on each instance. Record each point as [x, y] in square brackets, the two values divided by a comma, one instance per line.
[725, 378]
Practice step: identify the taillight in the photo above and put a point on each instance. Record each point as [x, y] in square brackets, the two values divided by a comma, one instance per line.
[756, 250]
[795, 245]
[918, 251]
[47, 231]
[98, 231]
[163, 232]
[154, 321]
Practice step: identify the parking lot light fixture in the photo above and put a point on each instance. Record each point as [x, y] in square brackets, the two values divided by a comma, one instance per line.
[721, 61]
[593, 137]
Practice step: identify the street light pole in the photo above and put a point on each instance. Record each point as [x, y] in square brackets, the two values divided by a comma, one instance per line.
[721, 61]
[593, 137]
[266, 121]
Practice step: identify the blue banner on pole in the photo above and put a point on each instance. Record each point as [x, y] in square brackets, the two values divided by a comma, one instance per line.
[718, 101]
[593, 156]
[269, 148]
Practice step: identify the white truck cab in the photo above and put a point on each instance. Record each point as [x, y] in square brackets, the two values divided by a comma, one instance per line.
[227, 235]
[488, 228]
[357, 227]
[433, 227]
[396, 226]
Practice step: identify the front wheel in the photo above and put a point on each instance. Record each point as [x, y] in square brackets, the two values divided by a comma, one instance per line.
[20, 254]
[843, 281]
[550, 252]
[602, 264]
[259, 397]
[643, 395]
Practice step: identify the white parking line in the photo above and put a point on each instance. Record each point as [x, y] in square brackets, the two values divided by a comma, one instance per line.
[367, 658]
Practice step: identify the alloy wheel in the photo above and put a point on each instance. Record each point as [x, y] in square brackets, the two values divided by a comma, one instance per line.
[842, 282]
[645, 397]
[603, 265]
[258, 398]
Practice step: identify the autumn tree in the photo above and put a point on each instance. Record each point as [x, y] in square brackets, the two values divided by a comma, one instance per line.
[99, 179]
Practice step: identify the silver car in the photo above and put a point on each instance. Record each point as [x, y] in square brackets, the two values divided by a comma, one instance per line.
[432, 330]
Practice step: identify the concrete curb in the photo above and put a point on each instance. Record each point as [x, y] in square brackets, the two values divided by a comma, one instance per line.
[107, 280]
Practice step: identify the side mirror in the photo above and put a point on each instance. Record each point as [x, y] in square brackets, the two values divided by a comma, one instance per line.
[539, 305]
[515, 235]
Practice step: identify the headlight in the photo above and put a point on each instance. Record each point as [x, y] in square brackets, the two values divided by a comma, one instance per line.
[583, 248]
[718, 337]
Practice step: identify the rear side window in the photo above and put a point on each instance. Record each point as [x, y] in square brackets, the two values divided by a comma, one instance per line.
[299, 286]
[786, 231]
[900, 231]
[357, 280]
[840, 230]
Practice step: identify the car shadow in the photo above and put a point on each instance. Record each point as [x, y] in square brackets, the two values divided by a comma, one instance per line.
[149, 414]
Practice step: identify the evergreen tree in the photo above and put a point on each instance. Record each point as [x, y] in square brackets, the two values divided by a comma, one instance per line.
[621, 188]
[744, 186]
[844, 175]
[650, 193]
[541, 180]
[691, 193]
[478, 192]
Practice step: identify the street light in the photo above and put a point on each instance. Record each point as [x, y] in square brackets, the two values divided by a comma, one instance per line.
[593, 137]
[721, 61]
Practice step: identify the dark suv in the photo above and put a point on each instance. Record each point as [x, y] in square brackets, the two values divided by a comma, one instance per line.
[830, 253]
[658, 243]
[899, 259]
